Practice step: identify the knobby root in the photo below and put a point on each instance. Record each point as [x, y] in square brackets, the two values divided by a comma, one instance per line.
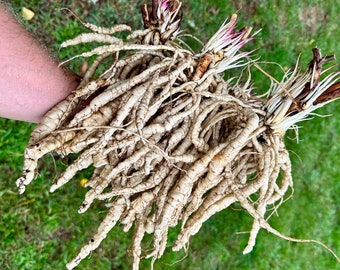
[171, 142]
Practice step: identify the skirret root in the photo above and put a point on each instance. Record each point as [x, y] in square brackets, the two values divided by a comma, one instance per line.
[169, 139]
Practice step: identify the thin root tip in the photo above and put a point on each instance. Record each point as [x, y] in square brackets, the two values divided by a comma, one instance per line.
[176, 248]
[21, 189]
[247, 250]
[53, 188]
[20, 183]
[70, 266]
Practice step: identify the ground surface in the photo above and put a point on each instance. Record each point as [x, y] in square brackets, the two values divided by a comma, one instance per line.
[43, 231]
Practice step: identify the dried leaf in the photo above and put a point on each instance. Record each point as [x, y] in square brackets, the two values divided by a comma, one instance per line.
[27, 14]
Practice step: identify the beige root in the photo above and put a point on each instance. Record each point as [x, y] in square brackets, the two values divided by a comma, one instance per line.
[169, 139]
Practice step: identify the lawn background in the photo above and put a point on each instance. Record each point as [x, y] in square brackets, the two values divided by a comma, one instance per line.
[39, 230]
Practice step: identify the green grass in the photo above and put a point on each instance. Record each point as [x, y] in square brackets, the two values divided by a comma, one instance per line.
[43, 231]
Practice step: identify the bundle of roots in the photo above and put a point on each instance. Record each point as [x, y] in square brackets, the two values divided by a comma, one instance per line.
[169, 140]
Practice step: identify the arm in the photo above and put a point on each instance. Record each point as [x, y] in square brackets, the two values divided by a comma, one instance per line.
[30, 80]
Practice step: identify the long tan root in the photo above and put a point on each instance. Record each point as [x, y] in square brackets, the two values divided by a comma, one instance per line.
[169, 139]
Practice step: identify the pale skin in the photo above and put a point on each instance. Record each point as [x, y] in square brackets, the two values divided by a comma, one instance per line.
[31, 82]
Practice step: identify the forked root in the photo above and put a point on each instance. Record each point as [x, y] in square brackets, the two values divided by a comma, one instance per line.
[169, 139]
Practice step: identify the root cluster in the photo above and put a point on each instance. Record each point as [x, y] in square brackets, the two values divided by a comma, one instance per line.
[169, 140]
